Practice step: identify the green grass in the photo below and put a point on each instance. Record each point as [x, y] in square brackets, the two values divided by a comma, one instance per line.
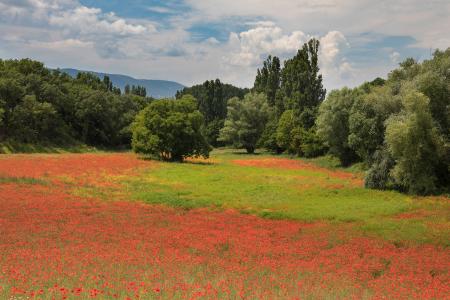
[305, 195]
[21, 180]
[279, 193]
[10, 147]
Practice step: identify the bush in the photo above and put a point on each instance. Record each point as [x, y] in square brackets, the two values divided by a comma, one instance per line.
[310, 143]
[170, 130]
[379, 174]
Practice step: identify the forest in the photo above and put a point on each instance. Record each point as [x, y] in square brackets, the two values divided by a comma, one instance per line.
[397, 128]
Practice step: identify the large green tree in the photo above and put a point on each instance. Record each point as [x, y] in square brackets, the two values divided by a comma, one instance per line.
[170, 130]
[415, 144]
[246, 121]
[268, 79]
[302, 83]
[298, 88]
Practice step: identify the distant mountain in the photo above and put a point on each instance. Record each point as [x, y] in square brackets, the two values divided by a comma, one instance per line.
[155, 88]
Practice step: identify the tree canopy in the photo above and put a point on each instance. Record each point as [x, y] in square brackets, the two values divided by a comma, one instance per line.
[246, 120]
[170, 130]
[38, 105]
[212, 97]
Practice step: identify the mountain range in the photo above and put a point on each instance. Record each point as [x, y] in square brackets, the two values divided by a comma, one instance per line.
[155, 88]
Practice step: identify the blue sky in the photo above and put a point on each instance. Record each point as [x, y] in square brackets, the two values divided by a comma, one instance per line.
[190, 41]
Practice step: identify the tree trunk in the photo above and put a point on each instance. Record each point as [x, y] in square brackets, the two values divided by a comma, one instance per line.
[250, 149]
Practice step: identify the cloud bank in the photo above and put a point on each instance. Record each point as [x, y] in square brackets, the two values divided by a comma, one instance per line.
[191, 41]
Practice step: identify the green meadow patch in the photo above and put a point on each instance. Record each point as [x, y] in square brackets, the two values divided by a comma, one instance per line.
[307, 195]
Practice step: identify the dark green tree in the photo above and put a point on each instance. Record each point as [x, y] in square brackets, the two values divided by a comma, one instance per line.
[170, 130]
[268, 79]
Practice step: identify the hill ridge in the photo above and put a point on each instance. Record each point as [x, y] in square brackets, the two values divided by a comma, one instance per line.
[156, 88]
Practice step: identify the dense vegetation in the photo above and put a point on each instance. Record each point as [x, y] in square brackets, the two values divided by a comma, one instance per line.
[399, 128]
[43, 106]
[294, 93]
[212, 97]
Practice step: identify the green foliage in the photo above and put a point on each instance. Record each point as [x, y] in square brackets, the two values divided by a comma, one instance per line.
[300, 78]
[297, 140]
[212, 97]
[398, 127]
[268, 139]
[268, 79]
[367, 120]
[135, 90]
[170, 130]
[285, 136]
[297, 89]
[49, 107]
[379, 174]
[415, 144]
[31, 119]
[311, 144]
[333, 123]
[246, 120]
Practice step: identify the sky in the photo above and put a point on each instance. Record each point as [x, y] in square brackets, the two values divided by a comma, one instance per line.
[190, 41]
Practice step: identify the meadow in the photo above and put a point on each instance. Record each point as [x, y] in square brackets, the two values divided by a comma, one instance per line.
[118, 226]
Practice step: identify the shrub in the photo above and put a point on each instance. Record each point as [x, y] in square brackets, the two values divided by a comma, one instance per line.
[379, 174]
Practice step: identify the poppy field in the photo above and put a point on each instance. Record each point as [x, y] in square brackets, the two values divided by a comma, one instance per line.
[116, 226]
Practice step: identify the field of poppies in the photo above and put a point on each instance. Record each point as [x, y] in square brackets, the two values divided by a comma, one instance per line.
[115, 226]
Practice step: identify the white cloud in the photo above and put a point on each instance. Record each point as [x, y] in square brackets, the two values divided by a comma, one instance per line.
[249, 47]
[160, 9]
[71, 16]
[395, 57]
[333, 63]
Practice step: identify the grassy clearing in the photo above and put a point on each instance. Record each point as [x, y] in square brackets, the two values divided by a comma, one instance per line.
[306, 195]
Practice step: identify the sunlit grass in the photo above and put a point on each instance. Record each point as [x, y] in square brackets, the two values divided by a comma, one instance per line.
[305, 195]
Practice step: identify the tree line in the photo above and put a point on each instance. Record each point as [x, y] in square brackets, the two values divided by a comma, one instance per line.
[40, 106]
[398, 128]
